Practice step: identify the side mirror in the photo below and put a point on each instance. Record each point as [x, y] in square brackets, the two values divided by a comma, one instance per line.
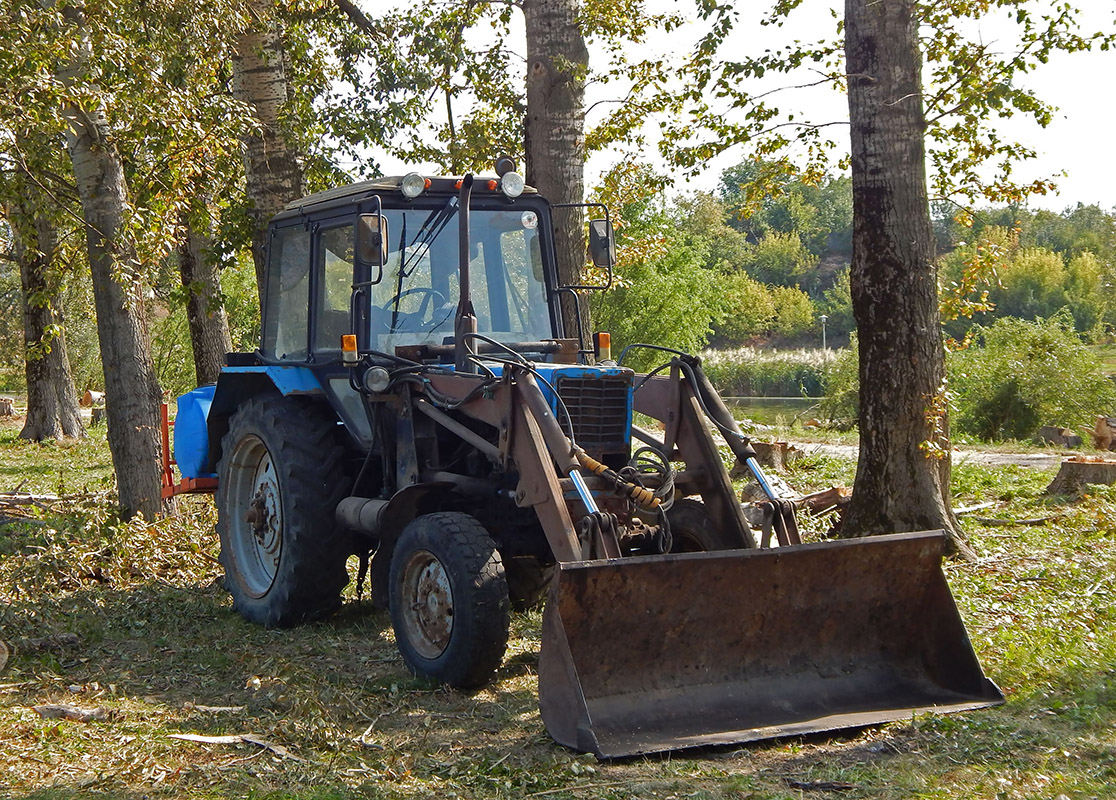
[372, 243]
[602, 244]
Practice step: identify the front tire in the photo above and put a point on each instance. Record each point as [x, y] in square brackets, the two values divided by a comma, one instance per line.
[280, 480]
[693, 530]
[449, 600]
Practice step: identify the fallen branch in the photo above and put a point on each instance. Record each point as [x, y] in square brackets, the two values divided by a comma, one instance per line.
[239, 738]
[75, 713]
[997, 522]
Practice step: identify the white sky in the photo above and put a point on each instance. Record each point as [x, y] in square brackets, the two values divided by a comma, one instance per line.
[1078, 141]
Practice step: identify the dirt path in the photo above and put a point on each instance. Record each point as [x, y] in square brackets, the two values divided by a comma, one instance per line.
[960, 456]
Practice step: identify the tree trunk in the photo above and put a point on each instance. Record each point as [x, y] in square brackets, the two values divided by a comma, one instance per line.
[902, 478]
[52, 403]
[209, 325]
[273, 174]
[132, 391]
[554, 136]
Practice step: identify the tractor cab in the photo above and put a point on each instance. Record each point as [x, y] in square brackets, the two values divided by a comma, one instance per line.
[382, 260]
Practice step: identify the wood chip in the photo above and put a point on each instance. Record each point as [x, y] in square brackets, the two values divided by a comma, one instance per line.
[75, 713]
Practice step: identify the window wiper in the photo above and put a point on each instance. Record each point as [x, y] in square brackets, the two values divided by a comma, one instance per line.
[431, 228]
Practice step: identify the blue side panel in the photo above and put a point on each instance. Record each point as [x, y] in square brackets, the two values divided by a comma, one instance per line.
[191, 434]
[288, 380]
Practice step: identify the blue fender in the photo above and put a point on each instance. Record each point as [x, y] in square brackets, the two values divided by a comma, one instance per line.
[197, 445]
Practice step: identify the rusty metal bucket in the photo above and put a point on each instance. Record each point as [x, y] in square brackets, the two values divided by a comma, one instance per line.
[656, 653]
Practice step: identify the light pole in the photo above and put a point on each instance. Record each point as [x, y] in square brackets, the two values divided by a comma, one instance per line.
[823, 318]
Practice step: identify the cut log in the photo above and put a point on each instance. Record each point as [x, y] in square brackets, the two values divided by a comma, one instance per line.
[1059, 437]
[92, 398]
[1076, 472]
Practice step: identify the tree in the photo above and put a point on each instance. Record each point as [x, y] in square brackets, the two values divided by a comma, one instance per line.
[205, 310]
[52, 405]
[554, 134]
[272, 170]
[902, 478]
[132, 394]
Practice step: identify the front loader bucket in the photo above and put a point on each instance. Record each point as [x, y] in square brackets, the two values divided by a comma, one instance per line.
[655, 653]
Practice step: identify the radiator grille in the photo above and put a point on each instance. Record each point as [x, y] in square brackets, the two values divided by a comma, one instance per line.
[598, 407]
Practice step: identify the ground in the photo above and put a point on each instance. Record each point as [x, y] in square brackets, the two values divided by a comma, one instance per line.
[131, 619]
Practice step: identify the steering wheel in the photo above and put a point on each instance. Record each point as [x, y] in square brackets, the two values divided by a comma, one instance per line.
[413, 320]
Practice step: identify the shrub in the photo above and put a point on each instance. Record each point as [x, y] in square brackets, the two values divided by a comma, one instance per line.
[1022, 374]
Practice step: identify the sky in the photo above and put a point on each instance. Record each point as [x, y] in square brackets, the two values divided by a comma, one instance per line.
[1078, 142]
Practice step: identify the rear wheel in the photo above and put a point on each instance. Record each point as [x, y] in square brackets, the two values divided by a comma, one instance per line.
[693, 530]
[449, 599]
[280, 481]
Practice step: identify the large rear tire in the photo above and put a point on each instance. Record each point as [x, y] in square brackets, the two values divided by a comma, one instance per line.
[280, 479]
[449, 600]
[693, 530]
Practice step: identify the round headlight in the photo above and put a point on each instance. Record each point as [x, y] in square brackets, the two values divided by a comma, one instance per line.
[376, 379]
[511, 184]
[413, 185]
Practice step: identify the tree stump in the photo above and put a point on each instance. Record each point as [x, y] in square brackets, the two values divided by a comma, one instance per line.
[7, 407]
[1076, 472]
[775, 455]
[99, 415]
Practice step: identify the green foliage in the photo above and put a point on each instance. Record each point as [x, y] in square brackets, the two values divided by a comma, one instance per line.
[818, 212]
[795, 315]
[1031, 285]
[780, 259]
[842, 395]
[1021, 374]
[669, 302]
[747, 309]
[836, 304]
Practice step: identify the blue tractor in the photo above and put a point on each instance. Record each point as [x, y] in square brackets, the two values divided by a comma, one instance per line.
[416, 401]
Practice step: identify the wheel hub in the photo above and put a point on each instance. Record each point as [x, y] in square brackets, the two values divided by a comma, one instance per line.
[430, 610]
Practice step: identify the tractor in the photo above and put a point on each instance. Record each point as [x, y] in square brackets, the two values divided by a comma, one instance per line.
[417, 400]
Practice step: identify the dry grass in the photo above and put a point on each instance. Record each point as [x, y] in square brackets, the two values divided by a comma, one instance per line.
[131, 618]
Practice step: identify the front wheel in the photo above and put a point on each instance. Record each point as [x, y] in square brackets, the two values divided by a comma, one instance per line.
[693, 530]
[449, 600]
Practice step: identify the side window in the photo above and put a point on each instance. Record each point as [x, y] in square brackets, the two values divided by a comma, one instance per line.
[286, 309]
[336, 257]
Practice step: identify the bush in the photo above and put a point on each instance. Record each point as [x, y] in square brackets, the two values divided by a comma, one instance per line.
[1022, 374]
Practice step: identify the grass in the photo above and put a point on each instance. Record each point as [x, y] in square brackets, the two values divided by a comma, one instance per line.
[131, 618]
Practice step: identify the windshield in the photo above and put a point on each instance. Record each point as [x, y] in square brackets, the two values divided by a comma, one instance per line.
[416, 300]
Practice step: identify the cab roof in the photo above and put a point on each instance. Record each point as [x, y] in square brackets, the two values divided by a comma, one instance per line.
[355, 192]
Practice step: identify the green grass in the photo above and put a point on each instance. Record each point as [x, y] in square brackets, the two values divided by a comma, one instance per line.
[131, 618]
